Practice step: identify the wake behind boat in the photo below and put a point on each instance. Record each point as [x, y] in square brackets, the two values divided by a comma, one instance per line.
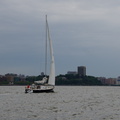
[46, 84]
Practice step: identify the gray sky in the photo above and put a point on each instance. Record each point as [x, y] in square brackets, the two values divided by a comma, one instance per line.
[84, 33]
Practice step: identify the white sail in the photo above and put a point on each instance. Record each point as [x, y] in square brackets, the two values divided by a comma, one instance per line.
[51, 79]
[52, 68]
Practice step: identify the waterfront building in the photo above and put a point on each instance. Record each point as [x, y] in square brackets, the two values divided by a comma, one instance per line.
[81, 70]
[107, 81]
[102, 79]
[2, 79]
[118, 81]
[111, 81]
[10, 77]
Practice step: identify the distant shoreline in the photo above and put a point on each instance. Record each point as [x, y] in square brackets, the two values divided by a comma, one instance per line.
[68, 85]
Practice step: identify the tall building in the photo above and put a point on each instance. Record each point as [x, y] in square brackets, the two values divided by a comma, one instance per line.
[82, 70]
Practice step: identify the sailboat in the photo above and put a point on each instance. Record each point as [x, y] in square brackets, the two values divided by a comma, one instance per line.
[46, 84]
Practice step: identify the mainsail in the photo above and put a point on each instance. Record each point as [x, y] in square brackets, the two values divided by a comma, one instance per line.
[51, 79]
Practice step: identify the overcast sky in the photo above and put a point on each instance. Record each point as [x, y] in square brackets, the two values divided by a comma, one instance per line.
[84, 33]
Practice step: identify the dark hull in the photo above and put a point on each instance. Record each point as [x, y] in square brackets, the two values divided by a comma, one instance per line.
[42, 91]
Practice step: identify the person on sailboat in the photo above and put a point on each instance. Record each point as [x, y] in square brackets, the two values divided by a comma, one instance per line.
[28, 86]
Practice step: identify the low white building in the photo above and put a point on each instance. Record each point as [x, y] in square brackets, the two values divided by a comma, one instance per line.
[118, 81]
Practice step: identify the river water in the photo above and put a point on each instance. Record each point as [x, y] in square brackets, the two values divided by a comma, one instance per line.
[66, 103]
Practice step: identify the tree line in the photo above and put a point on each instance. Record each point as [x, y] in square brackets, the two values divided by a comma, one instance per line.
[67, 79]
[77, 80]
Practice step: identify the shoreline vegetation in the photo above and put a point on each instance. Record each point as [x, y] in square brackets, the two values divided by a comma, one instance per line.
[61, 80]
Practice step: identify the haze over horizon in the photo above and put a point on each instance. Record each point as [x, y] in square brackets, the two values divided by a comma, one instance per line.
[84, 33]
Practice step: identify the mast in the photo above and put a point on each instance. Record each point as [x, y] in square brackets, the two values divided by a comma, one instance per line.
[46, 34]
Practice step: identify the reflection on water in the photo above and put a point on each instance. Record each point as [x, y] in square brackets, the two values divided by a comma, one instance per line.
[67, 103]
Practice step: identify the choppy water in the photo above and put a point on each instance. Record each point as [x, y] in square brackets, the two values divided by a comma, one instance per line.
[67, 103]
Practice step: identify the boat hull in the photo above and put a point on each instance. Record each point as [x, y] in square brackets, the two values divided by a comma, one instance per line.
[41, 91]
[43, 88]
